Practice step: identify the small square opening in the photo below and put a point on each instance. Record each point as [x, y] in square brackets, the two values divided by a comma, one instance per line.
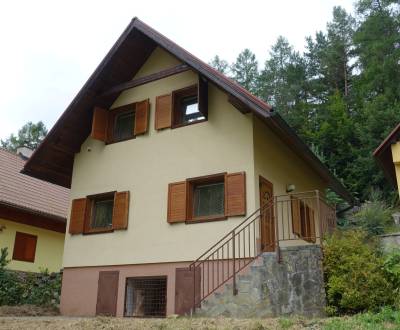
[146, 297]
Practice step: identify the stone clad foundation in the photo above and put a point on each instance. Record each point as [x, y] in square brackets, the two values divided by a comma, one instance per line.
[295, 286]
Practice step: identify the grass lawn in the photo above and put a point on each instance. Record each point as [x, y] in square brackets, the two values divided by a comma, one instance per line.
[386, 319]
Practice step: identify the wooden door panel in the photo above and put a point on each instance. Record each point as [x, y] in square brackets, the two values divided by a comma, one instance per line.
[184, 289]
[267, 222]
[107, 293]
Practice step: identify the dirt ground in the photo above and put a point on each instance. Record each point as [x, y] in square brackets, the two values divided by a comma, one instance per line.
[59, 322]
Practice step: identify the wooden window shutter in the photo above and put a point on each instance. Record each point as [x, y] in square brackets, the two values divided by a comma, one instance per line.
[121, 210]
[163, 115]
[177, 202]
[203, 96]
[78, 216]
[142, 117]
[296, 216]
[310, 225]
[235, 194]
[99, 124]
[24, 247]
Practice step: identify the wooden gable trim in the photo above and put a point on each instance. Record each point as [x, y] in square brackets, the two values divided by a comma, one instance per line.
[146, 79]
[34, 219]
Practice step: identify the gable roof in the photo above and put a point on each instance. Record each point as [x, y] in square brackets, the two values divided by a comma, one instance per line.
[53, 160]
[29, 194]
[383, 155]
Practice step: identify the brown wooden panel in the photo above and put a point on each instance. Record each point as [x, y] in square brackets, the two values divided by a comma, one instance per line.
[24, 247]
[142, 117]
[121, 210]
[267, 220]
[203, 96]
[235, 194]
[184, 290]
[99, 124]
[78, 216]
[107, 293]
[32, 218]
[296, 217]
[177, 202]
[163, 114]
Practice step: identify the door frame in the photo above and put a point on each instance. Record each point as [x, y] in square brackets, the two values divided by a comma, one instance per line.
[262, 180]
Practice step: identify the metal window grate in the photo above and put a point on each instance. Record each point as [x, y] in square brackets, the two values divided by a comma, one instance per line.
[146, 297]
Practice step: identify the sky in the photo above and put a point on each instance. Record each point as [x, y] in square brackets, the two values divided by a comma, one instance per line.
[50, 48]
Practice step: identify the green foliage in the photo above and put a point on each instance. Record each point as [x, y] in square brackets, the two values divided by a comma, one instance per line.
[219, 64]
[30, 135]
[245, 70]
[342, 95]
[374, 216]
[354, 274]
[28, 288]
[391, 266]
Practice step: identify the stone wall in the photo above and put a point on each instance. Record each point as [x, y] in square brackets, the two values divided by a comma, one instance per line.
[390, 241]
[293, 287]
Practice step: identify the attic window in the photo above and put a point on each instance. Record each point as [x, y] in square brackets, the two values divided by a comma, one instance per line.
[186, 107]
[123, 125]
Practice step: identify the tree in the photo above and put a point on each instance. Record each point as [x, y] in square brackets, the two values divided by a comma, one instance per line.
[220, 65]
[245, 70]
[30, 136]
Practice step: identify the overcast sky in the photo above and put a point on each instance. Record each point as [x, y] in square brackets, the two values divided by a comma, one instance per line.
[49, 48]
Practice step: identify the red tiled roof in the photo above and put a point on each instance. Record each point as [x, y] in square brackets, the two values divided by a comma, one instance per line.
[25, 192]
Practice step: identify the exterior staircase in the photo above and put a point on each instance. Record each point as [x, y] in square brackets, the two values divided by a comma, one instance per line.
[237, 277]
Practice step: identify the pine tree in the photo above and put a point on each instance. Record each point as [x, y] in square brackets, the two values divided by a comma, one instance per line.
[220, 65]
[245, 70]
[30, 135]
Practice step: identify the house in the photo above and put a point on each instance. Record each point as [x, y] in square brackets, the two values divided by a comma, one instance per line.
[180, 179]
[388, 157]
[32, 216]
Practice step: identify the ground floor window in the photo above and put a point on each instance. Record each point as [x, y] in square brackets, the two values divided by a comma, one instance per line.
[146, 296]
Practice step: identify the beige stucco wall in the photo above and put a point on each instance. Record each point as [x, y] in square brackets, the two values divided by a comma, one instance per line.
[277, 162]
[49, 247]
[396, 160]
[146, 165]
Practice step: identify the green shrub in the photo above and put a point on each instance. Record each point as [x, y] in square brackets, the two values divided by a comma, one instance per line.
[18, 288]
[355, 278]
[375, 217]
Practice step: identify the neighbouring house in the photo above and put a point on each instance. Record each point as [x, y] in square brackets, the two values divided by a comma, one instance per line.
[388, 157]
[32, 216]
[185, 189]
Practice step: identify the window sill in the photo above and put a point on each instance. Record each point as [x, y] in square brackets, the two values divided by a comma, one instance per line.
[98, 231]
[188, 124]
[23, 260]
[117, 141]
[206, 219]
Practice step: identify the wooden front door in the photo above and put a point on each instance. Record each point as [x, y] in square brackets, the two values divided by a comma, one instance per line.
[267, 221]
[107, 293]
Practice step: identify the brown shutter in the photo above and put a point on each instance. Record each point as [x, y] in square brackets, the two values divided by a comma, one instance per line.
[296, 217]
[121, 210]
[310, 221]
[78, 215]
[163, 115]
[24, 247]
[203, 96]
[142, 117]
[99, 124]
[107, 293]
[177, 202]
[235, 194]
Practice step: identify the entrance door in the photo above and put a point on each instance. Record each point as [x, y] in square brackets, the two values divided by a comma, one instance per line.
[267, 222]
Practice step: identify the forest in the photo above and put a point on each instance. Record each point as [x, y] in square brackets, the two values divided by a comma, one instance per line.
[341, 95]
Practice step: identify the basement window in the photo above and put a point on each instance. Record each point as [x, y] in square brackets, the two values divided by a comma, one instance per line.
[186, 107]
[146, 297]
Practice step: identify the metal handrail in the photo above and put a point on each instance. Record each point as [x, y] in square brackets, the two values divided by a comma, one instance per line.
[240, 246]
